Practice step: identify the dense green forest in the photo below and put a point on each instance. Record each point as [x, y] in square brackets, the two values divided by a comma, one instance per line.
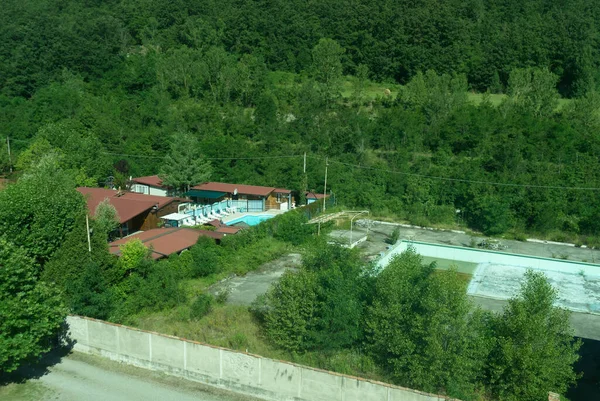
[380, 92]
[110, 85]
[485, 40]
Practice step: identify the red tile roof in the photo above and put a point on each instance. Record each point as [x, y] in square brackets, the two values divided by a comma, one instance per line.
[228, 229]
[128, 204]
[151, 180]
[223, 228]
[314, 195]
[282, 191]
[230, 188]
[165, 241]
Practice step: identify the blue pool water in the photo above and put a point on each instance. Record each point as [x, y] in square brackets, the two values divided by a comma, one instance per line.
[250, 219]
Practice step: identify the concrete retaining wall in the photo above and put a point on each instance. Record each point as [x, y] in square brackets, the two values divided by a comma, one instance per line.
[237, 371]
[486, 256]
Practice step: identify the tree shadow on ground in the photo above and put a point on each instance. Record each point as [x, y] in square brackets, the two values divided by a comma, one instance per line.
[588, 387]
[62, 346]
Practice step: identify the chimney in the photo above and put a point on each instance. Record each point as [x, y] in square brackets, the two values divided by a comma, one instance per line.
[553, 396]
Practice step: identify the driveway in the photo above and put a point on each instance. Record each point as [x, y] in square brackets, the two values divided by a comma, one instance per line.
[84, 377]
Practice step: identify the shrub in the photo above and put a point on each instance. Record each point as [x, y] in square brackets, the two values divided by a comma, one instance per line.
[393, 238]
[238, 341]
[206, 257]
[291, 227]
[223, 295]
[201, 306]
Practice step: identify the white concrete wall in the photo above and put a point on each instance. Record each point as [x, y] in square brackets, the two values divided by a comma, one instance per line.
[231, 370]
[486, 256]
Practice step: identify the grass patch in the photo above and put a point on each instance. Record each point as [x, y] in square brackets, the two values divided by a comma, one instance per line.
[234, 327]
[229, 326]
[251, 257]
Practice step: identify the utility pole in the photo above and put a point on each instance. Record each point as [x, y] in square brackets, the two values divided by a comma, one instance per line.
[325, 189]
[9, 158]
[87, 225]
[304, 162]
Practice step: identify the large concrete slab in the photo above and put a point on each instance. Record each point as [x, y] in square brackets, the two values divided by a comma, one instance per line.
[280, 378]
[320, 386]
[167, 351]
[241, 368]
[585, 325]
[411, 395]
[134, 343]
[102, 335]
[203, 360]
[77, 328]
[578, 291]
[360, 390]
[243, 290]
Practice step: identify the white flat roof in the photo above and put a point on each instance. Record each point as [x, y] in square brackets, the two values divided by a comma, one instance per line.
[176, 216]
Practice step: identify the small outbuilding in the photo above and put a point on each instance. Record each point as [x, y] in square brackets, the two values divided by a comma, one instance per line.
[136, 212]
[149, 185]
[166, 241]
[247, 198]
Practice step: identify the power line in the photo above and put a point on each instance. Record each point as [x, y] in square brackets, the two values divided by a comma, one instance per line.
[448, 179]
[205, 158]
[502, 184]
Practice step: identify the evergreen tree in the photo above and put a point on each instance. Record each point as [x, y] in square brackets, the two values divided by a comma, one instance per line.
[184, 165]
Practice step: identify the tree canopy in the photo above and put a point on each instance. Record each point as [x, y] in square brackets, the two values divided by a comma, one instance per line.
[184, 165]
[39, 210]
[31, 311]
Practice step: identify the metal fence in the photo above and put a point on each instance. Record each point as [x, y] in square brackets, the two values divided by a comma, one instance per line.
[315, 208]
[198, 210]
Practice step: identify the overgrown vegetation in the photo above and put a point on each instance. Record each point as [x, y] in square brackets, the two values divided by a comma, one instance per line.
[419, 328]
[92, 93]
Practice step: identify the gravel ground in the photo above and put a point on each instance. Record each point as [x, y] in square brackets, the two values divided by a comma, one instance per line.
[84, 377]
[244, 289]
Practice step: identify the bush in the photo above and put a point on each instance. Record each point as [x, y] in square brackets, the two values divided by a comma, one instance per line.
[291, 227]
[321, 306]
[201, 306]
[223, 295]
[393, 238]
[206, 256]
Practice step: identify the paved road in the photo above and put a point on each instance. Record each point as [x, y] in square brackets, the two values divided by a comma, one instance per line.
[83, 377]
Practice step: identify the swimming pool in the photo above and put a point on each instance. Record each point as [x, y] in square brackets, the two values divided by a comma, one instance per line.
[499, 275]
[250, 220]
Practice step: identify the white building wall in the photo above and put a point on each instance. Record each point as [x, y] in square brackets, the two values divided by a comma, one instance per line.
[148, 190]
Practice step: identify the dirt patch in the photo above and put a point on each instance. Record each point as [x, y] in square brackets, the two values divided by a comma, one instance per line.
[243, 290]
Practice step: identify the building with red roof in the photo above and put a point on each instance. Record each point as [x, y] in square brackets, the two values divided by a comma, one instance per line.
[252, 198]
[312, 197]
[165, 241]
[149, 185]
[136, 212]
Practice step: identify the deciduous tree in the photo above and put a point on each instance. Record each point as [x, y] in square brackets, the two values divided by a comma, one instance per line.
[40, 210]
[31, 311]
[534, 350]
[419, 328]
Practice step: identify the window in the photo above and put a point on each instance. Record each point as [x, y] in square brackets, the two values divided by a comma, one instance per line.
[279, 198]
